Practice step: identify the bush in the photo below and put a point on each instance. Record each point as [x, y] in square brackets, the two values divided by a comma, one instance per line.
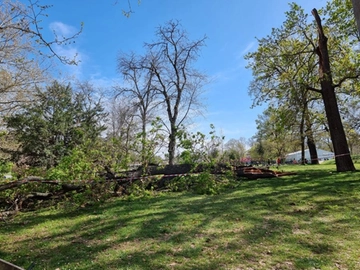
[5, 167]
[203, 183]
[356, 158]
[138, 190]
[75, 166]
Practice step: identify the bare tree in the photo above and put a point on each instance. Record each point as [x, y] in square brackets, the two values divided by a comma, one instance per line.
[235, 149]
[140, 91]
[175, 80]
[121, 131]
[24, 50]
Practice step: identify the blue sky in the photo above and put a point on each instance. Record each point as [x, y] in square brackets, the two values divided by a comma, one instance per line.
[230, 26]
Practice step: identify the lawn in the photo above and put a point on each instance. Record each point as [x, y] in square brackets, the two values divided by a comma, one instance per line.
[306, 221]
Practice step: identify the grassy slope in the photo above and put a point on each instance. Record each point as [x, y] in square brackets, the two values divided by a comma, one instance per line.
[307, 221]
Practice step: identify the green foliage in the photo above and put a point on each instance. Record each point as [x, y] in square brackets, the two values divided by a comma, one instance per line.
[294, 222]
[80, 164]
[74, 166]
[150, 142]
[285, 69]
[235, 150]
[356, 158]
[5, 167]
[14, 196]
[198, 148]
[50, 127]
[260, 150]
[93, 193]
[203, 183]
[341, 18]
[138, 190]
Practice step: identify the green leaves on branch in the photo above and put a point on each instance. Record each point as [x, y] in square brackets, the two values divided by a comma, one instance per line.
[58, 121]
[197, 148]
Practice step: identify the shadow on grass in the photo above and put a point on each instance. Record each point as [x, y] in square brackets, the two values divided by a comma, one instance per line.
[288, 219]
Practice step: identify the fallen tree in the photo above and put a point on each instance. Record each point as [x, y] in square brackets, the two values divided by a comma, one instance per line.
[154, 178]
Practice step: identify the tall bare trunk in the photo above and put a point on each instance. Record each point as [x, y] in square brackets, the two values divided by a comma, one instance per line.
[342, 155]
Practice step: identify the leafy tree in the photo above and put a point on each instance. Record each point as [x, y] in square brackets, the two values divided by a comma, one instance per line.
[281, 71]
[59, 120]
[174, 79]
[272, 127]
[350, 110]
[340, 17]
[197, 148]
[284, 68]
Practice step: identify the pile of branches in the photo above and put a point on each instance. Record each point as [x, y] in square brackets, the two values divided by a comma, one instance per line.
[152, 177]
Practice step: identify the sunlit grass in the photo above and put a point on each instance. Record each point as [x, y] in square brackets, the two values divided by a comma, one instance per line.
[306, 221]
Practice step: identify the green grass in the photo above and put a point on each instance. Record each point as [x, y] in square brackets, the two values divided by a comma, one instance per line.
[306, 221]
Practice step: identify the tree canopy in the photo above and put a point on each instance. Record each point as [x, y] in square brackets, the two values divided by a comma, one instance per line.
[289, 67]
[50, 127]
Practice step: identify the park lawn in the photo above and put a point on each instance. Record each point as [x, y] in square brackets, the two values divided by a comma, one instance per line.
[306, 221]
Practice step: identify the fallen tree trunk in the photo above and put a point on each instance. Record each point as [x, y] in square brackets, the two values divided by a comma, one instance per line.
[27, 180]
[20, 200]
[122, 182]
[253, 173]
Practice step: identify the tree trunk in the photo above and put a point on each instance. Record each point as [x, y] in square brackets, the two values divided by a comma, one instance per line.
[302, 135]
[310, 141]
[172, 144]
[312, 150]
[144, 160]
[356, 8]
[342, 155]
[302, 144]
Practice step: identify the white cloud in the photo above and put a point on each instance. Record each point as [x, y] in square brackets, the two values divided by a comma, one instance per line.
[71, 53]
[247, 49]
[105, 83]
[226, 75]
[62, 29]
[68, 51]
[234, 71]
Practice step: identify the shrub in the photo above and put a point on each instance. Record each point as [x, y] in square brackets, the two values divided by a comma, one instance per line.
[203, 183]
[5, 167]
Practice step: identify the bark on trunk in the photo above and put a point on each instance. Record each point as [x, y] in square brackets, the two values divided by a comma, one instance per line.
[144, 160]
[171, 150]
[302, 135]
[312, 151]
[356, 8]
[342, 155]
[310, 141]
